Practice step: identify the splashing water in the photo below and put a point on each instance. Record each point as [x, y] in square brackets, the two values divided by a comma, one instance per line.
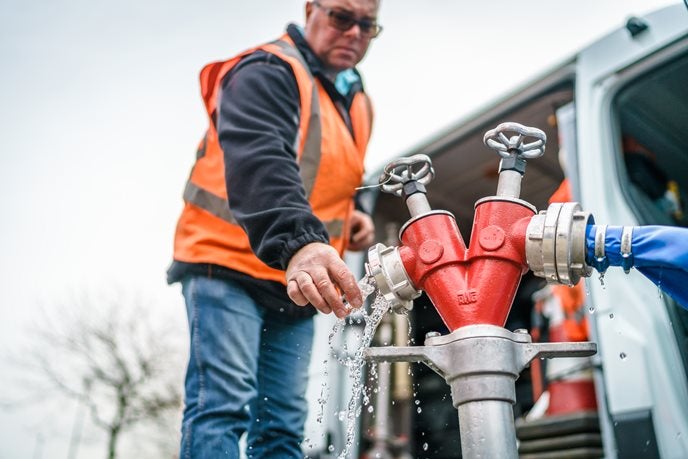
[367, 286]
[409, 330]
[354, 361]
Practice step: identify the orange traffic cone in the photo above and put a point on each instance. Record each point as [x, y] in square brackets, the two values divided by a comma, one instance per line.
[569, 381]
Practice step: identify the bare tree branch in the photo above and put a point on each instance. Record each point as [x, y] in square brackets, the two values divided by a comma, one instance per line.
[109, 356]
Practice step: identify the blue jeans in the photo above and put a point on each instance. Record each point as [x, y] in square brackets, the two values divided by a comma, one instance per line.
[247, 372]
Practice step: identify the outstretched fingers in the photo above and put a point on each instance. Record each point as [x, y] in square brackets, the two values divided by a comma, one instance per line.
[346, 282]
[315, 288]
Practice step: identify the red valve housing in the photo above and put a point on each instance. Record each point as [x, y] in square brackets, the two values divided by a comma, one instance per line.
[474, 285]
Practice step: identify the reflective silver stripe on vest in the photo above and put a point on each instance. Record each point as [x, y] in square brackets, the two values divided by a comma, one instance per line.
[219, 207]
[310, 157]
[208, 201]
[334, 227]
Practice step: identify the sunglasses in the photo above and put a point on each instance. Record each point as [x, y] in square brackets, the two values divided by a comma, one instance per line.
[343, 20]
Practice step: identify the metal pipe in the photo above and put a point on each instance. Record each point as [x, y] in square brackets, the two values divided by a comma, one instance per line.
[418, 204]
[487, 430]
[402, 372]
[382, 401]
[509, 184]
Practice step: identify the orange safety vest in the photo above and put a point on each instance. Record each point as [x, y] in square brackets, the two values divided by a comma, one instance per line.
[330, 162]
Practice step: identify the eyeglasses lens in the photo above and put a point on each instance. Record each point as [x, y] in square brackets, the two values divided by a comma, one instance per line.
[343, 21]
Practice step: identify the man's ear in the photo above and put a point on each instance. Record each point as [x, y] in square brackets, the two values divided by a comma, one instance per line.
[309, 9]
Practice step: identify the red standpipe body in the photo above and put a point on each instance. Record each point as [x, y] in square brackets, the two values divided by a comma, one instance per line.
[474, 285]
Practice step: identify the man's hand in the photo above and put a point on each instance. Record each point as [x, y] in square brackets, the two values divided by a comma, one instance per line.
[313, 275]
[362, 231]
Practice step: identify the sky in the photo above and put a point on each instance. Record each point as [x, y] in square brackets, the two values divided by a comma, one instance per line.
[100, 115]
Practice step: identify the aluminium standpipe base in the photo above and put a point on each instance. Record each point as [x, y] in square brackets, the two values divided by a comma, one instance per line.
[481, 364]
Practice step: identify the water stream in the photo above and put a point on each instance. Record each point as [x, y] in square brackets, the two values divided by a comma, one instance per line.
[354, 362]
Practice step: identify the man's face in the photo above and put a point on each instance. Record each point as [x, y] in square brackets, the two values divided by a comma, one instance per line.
[337, 49]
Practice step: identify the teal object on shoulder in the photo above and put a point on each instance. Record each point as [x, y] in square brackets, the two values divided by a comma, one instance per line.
[345, 80]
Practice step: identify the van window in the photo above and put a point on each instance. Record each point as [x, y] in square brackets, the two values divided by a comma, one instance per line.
[653, 117]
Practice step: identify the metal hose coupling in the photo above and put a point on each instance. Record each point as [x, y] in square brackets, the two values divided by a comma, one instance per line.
[555, 243]
[386, 268]
[601, 262]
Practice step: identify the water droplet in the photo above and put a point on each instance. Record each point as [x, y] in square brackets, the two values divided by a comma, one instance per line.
[417, 402]
[280, 309]
[371, 409]
[419, 410]
[611, 316]
[425, 446]
[330, 448]
[623, 356]
[591, 309]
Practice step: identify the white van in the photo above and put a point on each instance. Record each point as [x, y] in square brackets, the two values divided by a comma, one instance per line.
[633, 83]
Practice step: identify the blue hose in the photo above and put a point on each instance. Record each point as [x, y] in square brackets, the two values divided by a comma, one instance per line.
[658, 252]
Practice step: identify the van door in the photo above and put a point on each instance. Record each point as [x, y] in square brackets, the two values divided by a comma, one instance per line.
[634, 84]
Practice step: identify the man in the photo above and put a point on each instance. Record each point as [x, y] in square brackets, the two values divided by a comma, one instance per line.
[652, 185]
[268, 213]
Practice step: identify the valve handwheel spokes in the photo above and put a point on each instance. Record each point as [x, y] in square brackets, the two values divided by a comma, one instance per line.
[403, 170]
[507, 144]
